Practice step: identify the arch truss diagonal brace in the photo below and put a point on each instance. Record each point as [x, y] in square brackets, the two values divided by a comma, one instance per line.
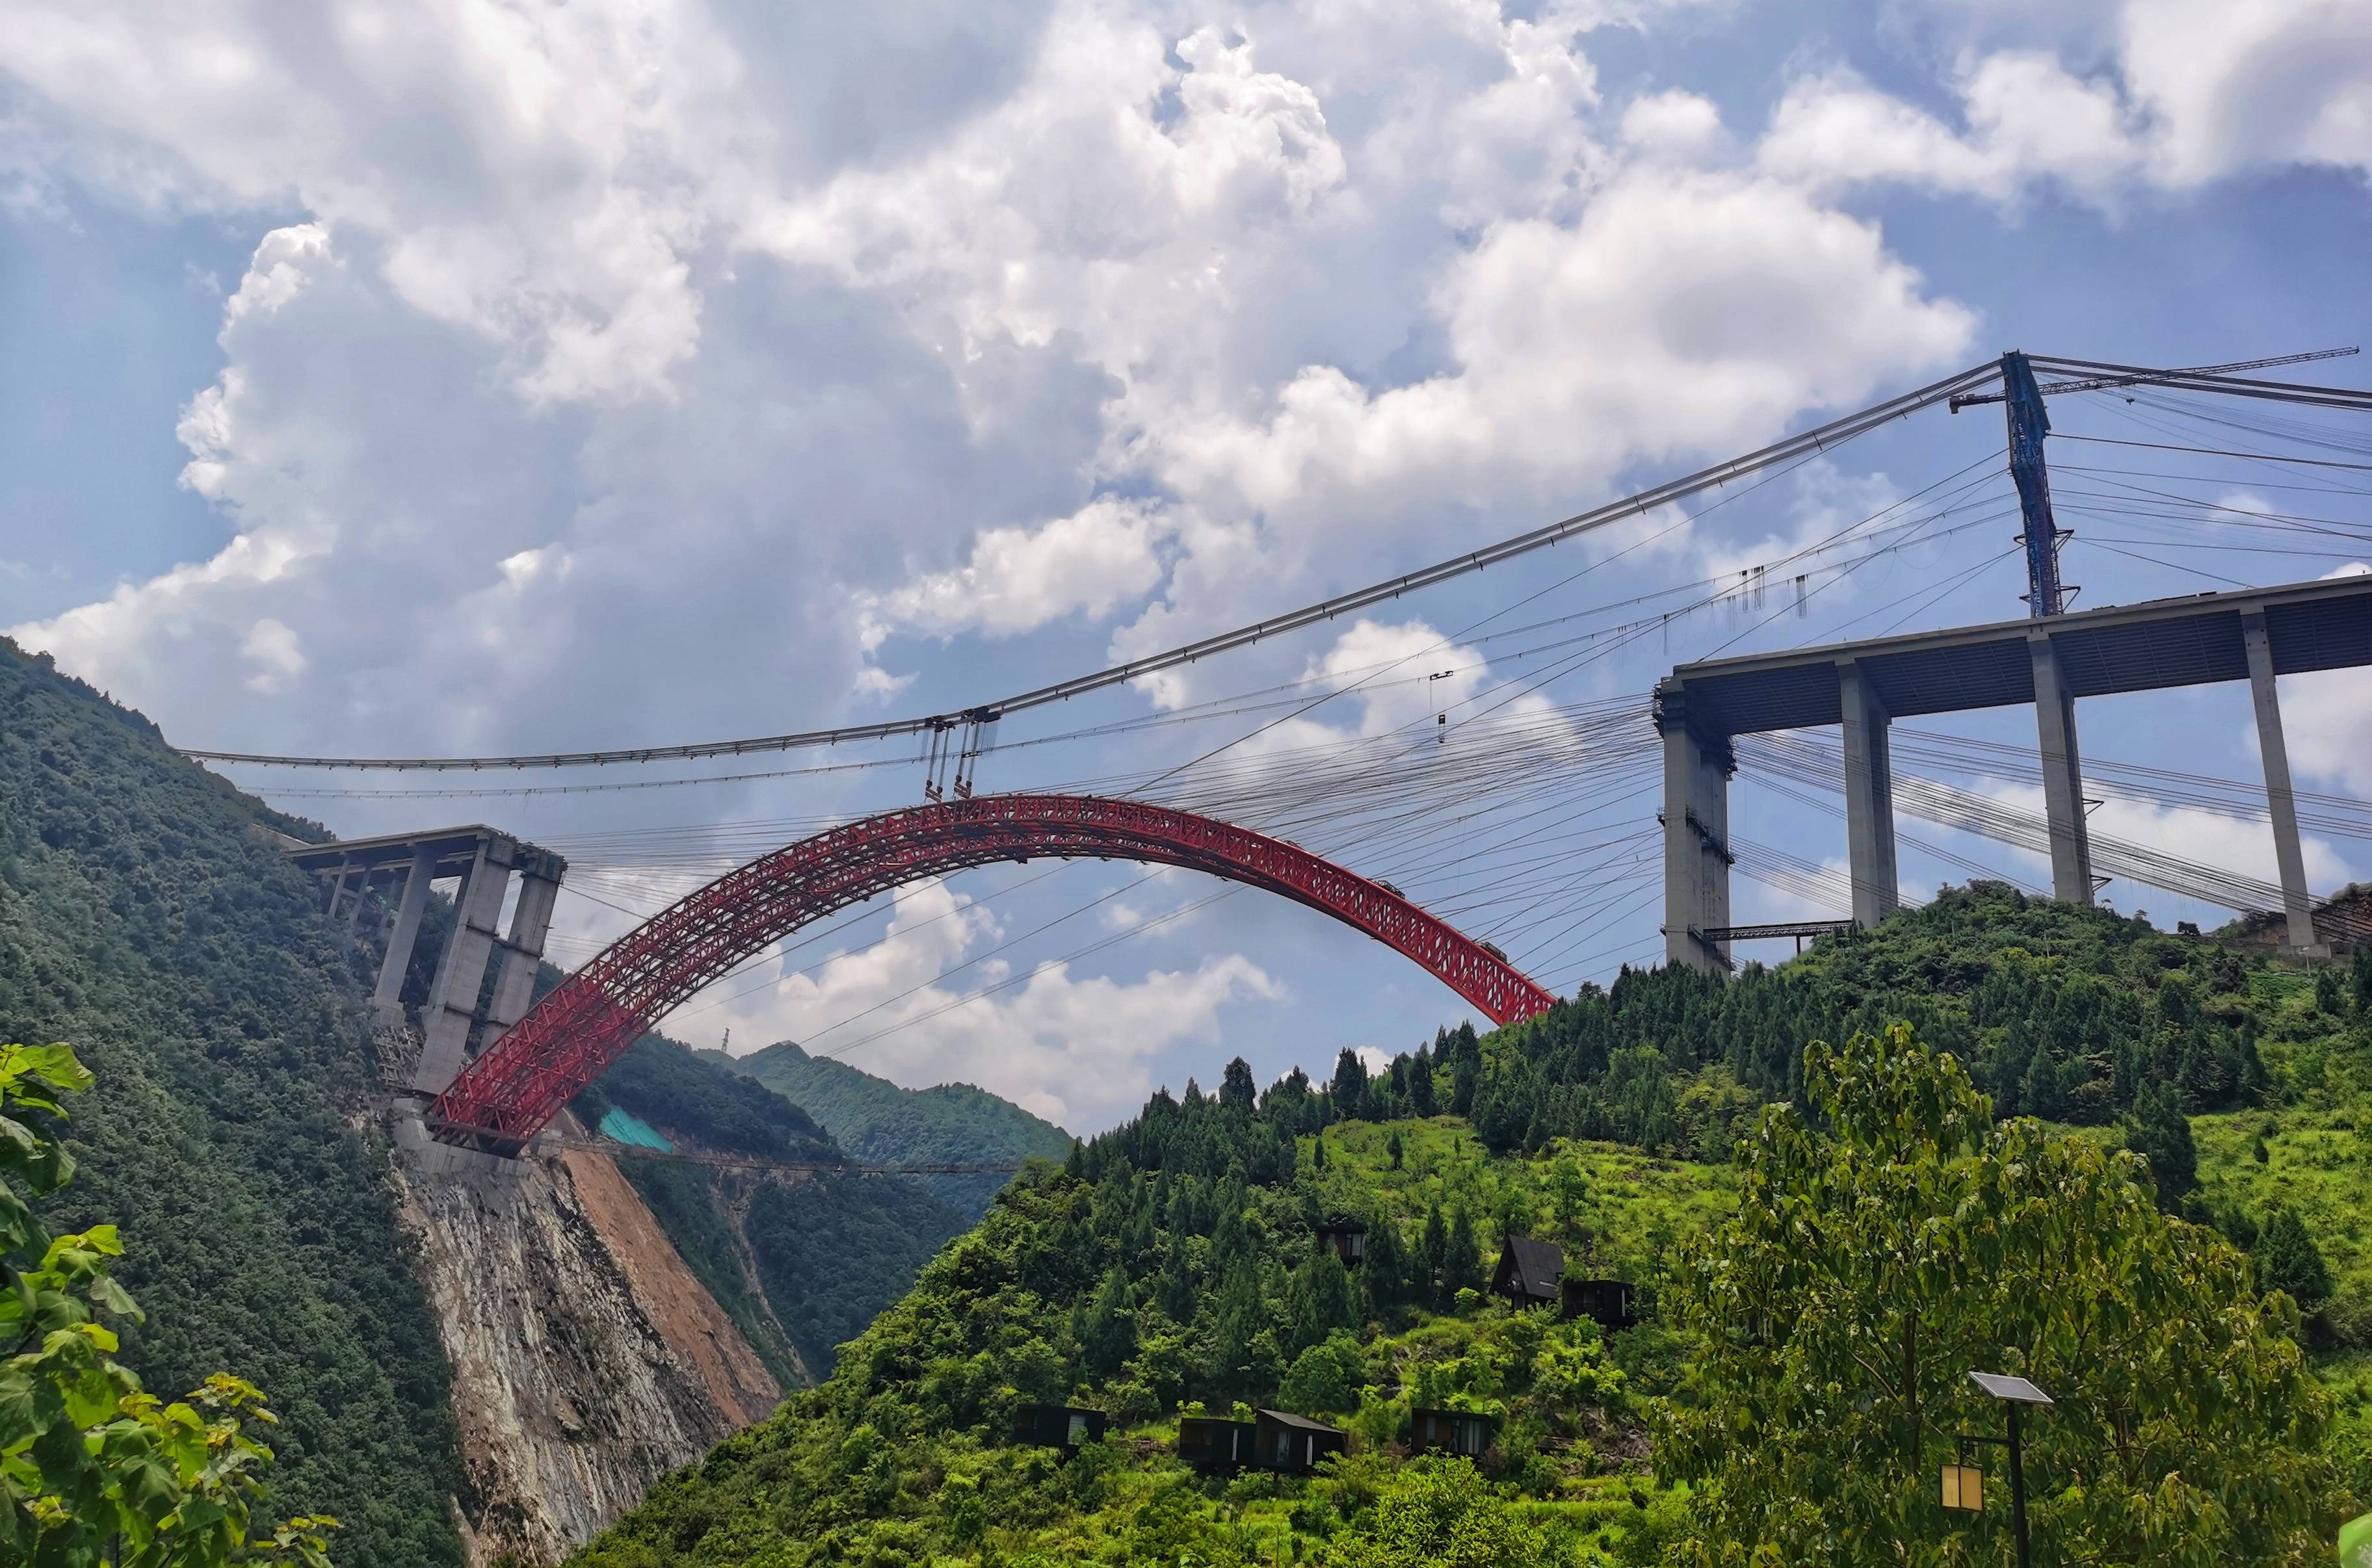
[510, 1093]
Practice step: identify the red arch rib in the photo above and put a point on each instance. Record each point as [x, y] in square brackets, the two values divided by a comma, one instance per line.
[508, 1095]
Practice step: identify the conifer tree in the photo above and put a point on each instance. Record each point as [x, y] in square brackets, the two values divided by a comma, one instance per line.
[1383, 1273]
[1108, 1331]
[2161, 1133]
[2287, 1259]
[1462, 1266]
[1419, 1083]
[1350, 1086]
[1236, 1091]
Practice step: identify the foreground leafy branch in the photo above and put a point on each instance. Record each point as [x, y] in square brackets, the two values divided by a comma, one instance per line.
[1890, 1237]
[95, 1471]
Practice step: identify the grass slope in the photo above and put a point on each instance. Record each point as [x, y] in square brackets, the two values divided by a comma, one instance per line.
[144, 921]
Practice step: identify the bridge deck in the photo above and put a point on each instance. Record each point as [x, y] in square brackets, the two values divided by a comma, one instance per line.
[2135, 648]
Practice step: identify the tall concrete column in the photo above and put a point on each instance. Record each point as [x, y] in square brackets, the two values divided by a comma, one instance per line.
[539, 873]
[387, 998]
[1696, 833]
[2296, 899]
[2063, 775]
[336, 881]
[1714, 768]
[354, 909]
[462, 972]
[1869, 798]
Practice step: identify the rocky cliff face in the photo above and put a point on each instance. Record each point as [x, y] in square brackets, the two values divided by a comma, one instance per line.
[588, 1361]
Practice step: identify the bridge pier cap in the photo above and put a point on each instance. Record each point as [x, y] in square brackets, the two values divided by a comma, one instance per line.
[483, 858]
[2254, 635]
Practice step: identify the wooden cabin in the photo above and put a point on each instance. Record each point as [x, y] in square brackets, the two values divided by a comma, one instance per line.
[1293, 1444]
[1607, 1303]
[1056, 1427]
[1529, 1271]
[1212, 1442]
[1452, 1432]
[1348, 1239]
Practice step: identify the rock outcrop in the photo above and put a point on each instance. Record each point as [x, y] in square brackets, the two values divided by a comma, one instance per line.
[587, 1360]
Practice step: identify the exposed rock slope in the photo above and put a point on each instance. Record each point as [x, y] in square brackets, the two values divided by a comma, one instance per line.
[587, 1360]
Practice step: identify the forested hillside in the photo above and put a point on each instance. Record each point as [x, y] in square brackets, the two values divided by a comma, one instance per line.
[1173, 1267]
[144, 921]
[881, 1124]
[800, 1261]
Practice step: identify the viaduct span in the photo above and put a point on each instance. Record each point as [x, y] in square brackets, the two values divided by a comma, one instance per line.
[529, 1067]
[2253, 634]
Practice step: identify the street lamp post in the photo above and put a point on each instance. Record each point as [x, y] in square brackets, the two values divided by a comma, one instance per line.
[2015, 1392]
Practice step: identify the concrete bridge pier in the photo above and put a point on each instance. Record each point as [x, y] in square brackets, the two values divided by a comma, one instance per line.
[1697, 769]
[483, 859]
[539, 871]
[2062, 775]
[2281, 800]
[452, 1004]
[1869, 797]
[387, 1004]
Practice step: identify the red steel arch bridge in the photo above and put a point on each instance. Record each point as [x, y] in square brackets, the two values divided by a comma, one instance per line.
[515, 1089]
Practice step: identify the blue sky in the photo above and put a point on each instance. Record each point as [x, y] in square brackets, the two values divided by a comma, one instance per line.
[488, 377]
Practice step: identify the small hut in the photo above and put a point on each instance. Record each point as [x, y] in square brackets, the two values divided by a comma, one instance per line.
[1348, 1239]
[1212, 1442]
[1056, 1427]
[1452, 1432]
[1293, 1444]
[1529, 1271]
[1607, 1303]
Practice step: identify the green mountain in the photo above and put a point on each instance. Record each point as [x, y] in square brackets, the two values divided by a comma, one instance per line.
[800, 1261]
[883, 1124]
[145, 921]
[1174, 1267]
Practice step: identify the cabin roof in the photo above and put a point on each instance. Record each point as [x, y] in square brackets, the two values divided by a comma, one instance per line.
[1455, 1415]
[1299, 1423]
[1346, 1227]
[1538, 1265]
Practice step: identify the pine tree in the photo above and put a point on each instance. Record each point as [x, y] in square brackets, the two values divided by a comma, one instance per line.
[2287, 1259]
[2038, 1091]
[1419, 1083]
[1433, 1252]
[1108, 1334]
[1236, 1091]
[1463, 1268]
[1350, 1086]
[1323, 1300]
[1384, 1272]
[1175, 1294]
[1462, 1083]
[1392, 1147]
[1318, 1150]
[2159, 1132]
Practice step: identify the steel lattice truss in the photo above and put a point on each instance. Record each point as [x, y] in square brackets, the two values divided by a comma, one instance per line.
[509, 1094]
